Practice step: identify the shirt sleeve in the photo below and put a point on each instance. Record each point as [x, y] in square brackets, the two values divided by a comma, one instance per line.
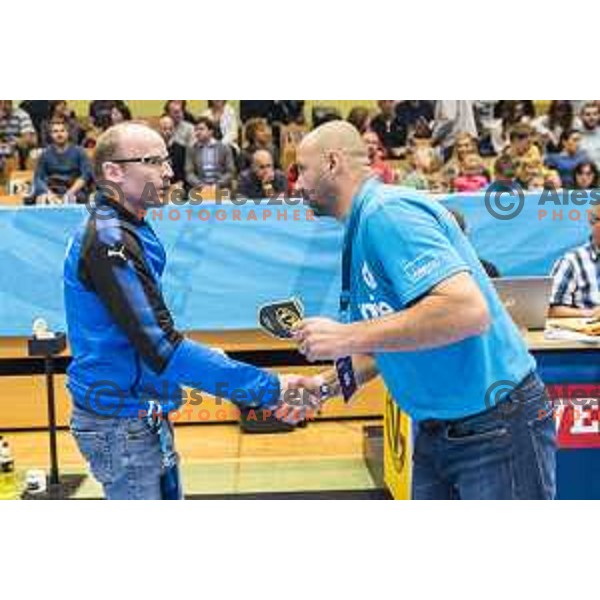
[119, 275]
[412, 249]
[563, 283]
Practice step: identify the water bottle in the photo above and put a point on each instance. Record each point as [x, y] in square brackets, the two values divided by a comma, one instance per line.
[9, 488]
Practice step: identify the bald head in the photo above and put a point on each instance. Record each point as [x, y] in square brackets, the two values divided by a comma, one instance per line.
[332, 162]
[126, 140]
[339, 137]
[134, 158]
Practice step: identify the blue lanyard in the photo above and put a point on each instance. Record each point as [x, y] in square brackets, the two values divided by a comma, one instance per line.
[347, 251]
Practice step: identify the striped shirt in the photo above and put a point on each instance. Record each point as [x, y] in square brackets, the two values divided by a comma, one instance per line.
[12, 127]
[576, 278]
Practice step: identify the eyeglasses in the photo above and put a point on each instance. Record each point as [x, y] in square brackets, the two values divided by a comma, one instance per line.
[594, 219]
[157, 161]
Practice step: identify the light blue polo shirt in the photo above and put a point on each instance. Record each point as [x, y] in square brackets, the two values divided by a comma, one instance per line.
[405, 244]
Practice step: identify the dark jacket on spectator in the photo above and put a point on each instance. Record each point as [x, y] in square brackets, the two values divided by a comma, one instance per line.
[250, 186]
[177, 156]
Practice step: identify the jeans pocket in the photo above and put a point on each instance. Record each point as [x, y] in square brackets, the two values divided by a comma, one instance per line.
[138, 429]
[96, 449]
[476, 435]
[543, 440]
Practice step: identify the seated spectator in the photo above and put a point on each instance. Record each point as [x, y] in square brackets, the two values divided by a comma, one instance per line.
[17, 133]
[505, 169]
[451, 118]
[259, 136]
[590, 131]
[585, 176]
[389, 129]
[473, 175]
[38, 111]
[225, 117]
[550, 127]
[465, 145]
[63, 172]
[208, 161]
[273, 111]
[59, 111]
[576, 289]
[490, 268]
[413, 113]
[522, 147]
[184, 130]
[360, 117]
[100, 113]
[119, 113]
[531, 175]
[375, 152]
[262, 180]
[176, 151]
[566, 161]
[424, 163]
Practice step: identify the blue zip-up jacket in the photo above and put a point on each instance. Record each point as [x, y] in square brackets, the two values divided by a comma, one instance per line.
[126, 349]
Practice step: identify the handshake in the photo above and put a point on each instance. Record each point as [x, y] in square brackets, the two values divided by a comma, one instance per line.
[300, 399]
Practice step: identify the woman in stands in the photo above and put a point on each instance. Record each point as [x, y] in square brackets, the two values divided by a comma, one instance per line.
[585, 176]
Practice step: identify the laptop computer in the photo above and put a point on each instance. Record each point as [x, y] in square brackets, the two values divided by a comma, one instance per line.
[525, 299]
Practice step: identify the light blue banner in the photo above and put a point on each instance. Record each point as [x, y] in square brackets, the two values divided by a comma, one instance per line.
[223, 264]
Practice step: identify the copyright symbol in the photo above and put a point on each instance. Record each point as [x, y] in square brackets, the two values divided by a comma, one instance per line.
[504, 201]
[497, 395]
[105, 398]
[107, 189]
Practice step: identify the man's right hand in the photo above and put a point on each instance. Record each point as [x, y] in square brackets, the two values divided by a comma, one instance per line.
[299, 400]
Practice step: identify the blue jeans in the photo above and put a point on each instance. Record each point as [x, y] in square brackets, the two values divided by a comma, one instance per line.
[124, 454]
[506, 452]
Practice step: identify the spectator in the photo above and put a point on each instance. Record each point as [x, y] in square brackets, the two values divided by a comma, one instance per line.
[550, 127]
[521, 147]
[100, 113]
[505, 169]
[259, 136]
[410, 113]
[273, 111]
[451, 118]
[208, 161]
[473, 176]
[63, 171]
[38, 111]
[119, 113]
[224, 115]
[576, 288]
[17, 133]
[490, 268]
[176, 151]
[567, 160]
[590, 131]
[425, 165]
[360, 117]
[262, 180]
[184, 130]
[531, 175]
[465, 145]
[389, 129]
[59, 111]
[375, 153]
[585, 176]
[514, 112]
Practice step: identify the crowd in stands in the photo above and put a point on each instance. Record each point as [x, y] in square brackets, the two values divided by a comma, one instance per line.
[437, 146]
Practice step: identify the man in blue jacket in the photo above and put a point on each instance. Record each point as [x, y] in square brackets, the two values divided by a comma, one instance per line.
[129, 360]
